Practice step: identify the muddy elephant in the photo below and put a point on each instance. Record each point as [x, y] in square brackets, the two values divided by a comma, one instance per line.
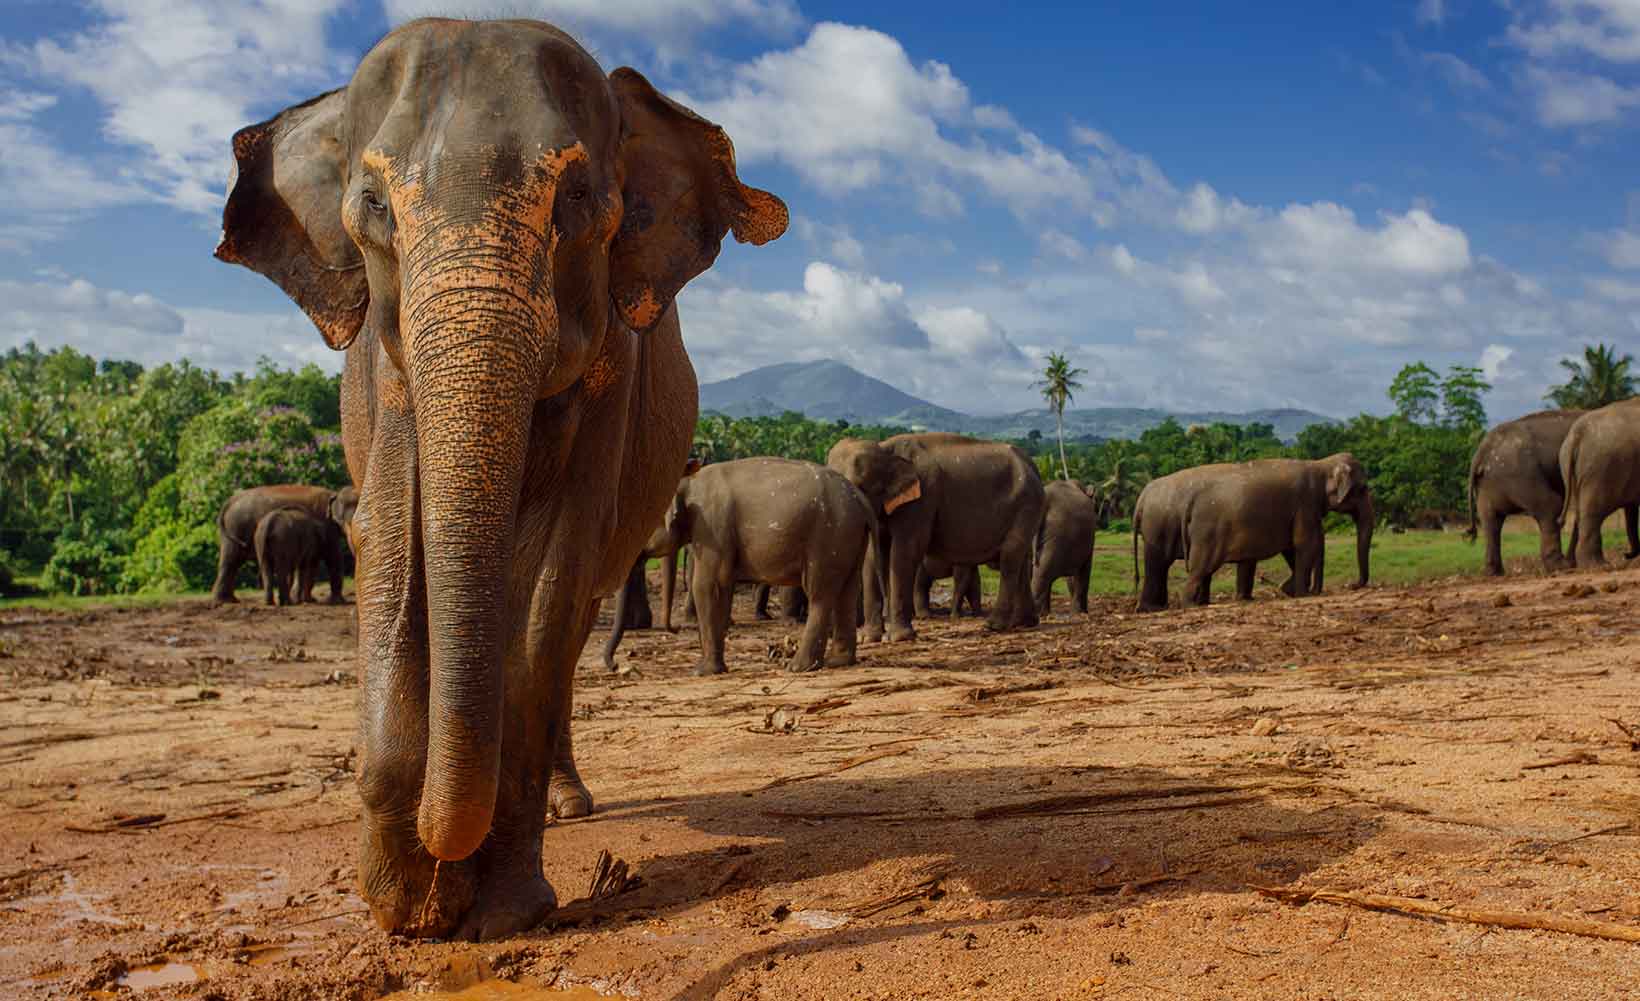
[955, 498]
[1064, 544]
[289, 545]
[236, 531]
[1516, 468]
[495, 229]
[1600, 464]
[965, 587]
[773, 521]
[1245, 512]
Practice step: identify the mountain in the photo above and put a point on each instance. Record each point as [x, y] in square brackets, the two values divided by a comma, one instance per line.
[830, 390]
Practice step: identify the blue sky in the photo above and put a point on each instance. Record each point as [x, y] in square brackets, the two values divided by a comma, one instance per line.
[1205, 205]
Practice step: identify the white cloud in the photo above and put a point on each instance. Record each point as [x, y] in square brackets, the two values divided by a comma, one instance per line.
[1324, 235]
[1204, 211]
[1615, 289]
[1431, 11]
[1062, 244]
[1621, 248]
[47, 188]
[848, 109]
[660, 22]
[1458, 73]
[1569, 97]
[1607, 29]
[178, 78]
[1493, 358]
[109, 323]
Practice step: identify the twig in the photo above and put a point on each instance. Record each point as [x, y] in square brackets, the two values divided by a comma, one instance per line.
[986, 694]
[1591, 834]
[1628, 731]
[1580, 758]
[845, 766]
[322, 917]
[1426, 909]
[1070, 804]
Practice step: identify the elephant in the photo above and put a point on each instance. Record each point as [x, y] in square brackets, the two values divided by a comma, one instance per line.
[495, 230]
[659, 544]
[1064, 545]
[1245, 512]
[794, 604]
[236, 527]
[773, 521]
[289, 543]
[1600, 465]
[965, 587]
[955, 498]
[1516, 468]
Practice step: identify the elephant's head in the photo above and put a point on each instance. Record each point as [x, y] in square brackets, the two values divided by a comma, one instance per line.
[342, 505]
[888, 480]
[491, 206]
[1347, 491]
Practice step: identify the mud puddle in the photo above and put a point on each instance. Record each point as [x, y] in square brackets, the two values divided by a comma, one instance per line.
[503, 990]
[163, 974]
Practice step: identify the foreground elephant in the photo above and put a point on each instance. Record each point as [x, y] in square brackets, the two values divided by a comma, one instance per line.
[1517, 468]
[236, 530]
[289, 544]
[1245, 512]
[773, 521]
[965, 587]
[495, 230]
[1600, 464]
[1064, 545]
[954, 498]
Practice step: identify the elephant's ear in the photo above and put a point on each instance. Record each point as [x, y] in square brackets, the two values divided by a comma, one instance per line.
[692, 465]
[283, 218]
[902, 491]
[681, 194]
[1341, 479]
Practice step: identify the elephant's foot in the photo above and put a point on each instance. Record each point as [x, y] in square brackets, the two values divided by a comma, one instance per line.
[872, 632]
[218, 599]
[511, 900]
[902, 633]
[335, 599]
[411, 894]
[802, 666]
[706, 669]
[848, 659]
[568, 797]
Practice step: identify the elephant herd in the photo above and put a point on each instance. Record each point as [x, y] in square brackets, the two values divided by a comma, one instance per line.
[289, 529]
[495, 229]
[1558, 466]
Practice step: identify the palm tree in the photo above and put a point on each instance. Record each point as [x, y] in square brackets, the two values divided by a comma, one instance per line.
[1601, 378]
[1059, 387]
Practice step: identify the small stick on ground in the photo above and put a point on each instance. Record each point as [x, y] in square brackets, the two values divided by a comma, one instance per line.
[1580, 758]
[1427, 909]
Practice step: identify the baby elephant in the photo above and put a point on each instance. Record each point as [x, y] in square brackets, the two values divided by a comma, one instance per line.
[1064, 543]
[780, 522]
[289, 542]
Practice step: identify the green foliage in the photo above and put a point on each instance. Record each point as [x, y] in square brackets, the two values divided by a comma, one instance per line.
[1415, 391]
[1601, 378]
[1059, 386]
[111, 475]
[791, 435]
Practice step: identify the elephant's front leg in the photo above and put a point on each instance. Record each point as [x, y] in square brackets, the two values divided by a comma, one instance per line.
[871, 593]
[905, 556]
[1014, 607]
[1246, 571]
[713, 589]
[1549, 551]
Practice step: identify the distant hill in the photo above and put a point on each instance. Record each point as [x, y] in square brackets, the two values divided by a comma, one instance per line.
[830, 390]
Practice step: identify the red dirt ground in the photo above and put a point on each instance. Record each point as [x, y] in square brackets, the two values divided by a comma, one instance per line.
[1078, 811]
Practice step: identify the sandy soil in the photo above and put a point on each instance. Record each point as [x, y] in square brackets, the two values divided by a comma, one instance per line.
[1079, 811]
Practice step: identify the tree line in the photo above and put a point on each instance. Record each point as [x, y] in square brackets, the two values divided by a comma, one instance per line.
[111, 475]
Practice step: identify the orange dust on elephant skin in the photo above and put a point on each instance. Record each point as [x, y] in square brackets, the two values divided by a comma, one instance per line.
[495, 230]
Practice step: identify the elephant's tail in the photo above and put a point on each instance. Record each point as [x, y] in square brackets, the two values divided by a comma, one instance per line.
[1568, 474]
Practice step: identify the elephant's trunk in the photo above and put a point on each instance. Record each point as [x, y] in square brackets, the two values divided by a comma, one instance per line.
[477, 350]
[1365, 517]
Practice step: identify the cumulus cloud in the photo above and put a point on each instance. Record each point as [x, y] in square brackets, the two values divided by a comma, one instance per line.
[47, 188]
[176, 79]
[110, 323]
[654, 19]
[1607, 29]
[1569, 97]
[1327, 235]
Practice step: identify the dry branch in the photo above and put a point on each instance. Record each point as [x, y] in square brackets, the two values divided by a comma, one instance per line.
[845, 766]
[1580, 758]
[1426, 909]
[1071, 804]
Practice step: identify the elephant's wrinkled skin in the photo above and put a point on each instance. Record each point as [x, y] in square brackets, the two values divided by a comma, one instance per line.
[1516, 468]
[1064, 544]
[965, 587]
[1600, 464]
[1244, 512]
[955, 498]
[289, 544]
[780, 522]
[236, 530]
[495, 230]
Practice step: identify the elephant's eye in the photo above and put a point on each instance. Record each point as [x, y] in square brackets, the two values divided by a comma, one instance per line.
[373, 202]
[578, 195]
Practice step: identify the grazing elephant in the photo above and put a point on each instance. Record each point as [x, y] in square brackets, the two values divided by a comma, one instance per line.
[1517, 468]
[1245, 512]
[965, 587]
[236, 531]
[773, 521]
[954, 498]
[794, 604]
[289, 543]
[1064, 546]
[495, 230]
[1600, 464]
